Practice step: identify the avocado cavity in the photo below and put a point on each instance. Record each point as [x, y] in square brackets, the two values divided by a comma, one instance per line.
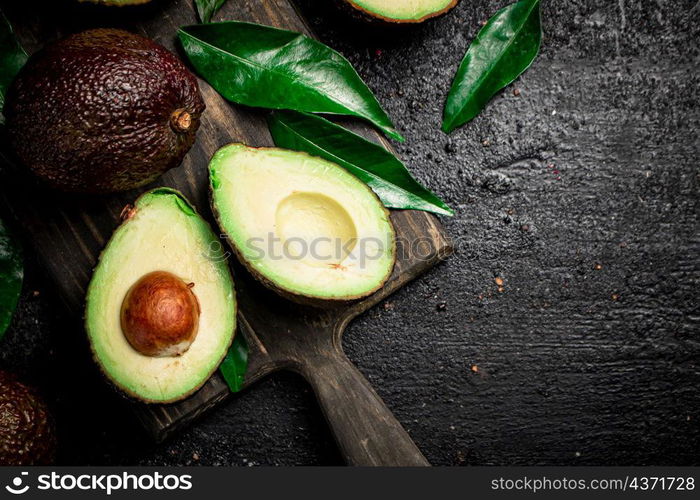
[315, 218]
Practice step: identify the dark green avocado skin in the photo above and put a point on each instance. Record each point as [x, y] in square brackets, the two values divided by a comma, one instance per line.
[27, 435]
[92, 112]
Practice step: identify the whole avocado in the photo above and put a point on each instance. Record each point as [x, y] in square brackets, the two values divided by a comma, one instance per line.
[27, 435]
[101, 111]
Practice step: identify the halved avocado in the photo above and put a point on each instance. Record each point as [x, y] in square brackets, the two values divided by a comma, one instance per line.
[161, 308]
[402, 11]
[304, 226]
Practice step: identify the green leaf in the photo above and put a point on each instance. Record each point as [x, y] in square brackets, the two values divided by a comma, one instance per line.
[370, 162]
[503, 49]
[11, 275]
[12, 58]
[234, 365]
[207, 8]
[267, 67]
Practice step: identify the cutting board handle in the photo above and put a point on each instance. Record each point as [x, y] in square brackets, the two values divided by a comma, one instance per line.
[367, 432]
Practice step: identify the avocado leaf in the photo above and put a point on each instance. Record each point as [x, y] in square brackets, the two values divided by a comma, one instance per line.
[503, 49]
[11, 275]
[12, 58]
[370, 162]
[207, 8]
[235, 363]
[266, 67]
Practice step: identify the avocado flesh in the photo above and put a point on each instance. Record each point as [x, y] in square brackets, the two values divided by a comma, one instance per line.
[162, 233]
[266, 198]
[403, 10]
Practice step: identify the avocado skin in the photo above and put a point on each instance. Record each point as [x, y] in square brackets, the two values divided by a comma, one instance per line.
[92, 112]
[27, 434]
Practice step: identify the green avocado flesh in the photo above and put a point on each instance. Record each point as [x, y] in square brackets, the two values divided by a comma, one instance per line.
[162, 232]
[304, 226]
[403, 10]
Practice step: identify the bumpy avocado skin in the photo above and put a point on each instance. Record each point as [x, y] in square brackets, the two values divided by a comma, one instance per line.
[27, 435]
[93, 112]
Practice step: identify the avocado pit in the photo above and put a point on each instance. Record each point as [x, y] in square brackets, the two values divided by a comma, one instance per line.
[160, 315]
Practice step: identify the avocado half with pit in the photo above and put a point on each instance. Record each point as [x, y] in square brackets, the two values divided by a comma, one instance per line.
[305, 227]
[400, 11]
[161, 309]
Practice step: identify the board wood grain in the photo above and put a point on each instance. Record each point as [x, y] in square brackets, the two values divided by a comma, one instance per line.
[68, 233]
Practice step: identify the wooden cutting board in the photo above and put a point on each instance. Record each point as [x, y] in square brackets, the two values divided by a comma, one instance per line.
[68, 233]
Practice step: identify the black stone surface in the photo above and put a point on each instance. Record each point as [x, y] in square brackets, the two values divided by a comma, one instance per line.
[580, 195]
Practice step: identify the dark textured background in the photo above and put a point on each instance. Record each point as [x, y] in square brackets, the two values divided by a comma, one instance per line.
[581, 194]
